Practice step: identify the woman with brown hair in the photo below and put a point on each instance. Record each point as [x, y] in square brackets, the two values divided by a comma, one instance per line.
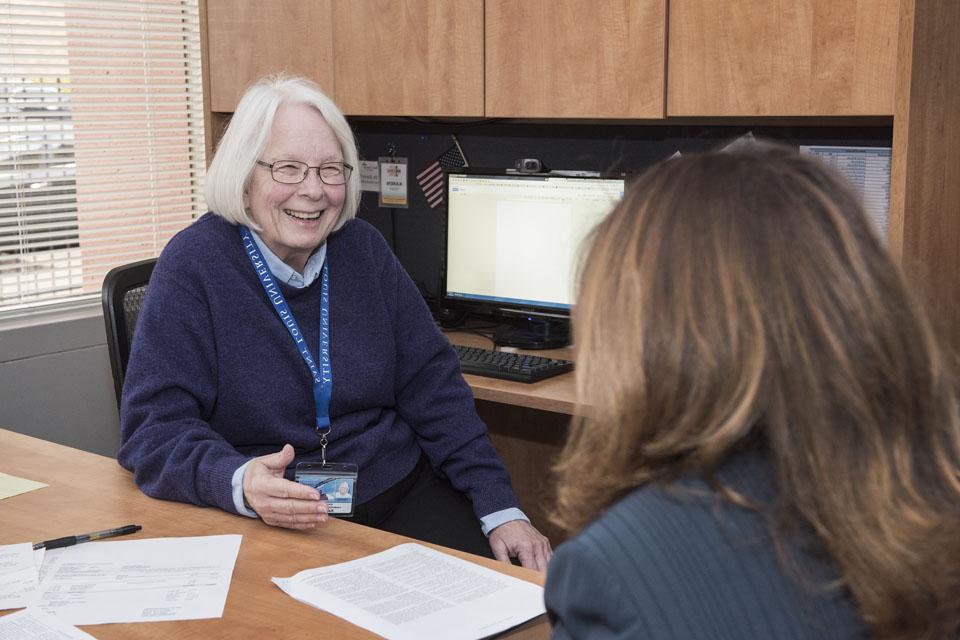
[769, 442]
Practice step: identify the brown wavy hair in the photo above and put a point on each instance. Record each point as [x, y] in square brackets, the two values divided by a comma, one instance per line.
[741, 299]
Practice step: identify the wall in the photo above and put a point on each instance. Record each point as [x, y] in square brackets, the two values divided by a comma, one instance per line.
[55, 380]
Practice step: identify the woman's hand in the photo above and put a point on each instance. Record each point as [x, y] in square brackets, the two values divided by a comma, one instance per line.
[278, 501]
[518, 538]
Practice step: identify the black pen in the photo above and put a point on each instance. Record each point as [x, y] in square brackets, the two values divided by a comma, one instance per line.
[87, 537]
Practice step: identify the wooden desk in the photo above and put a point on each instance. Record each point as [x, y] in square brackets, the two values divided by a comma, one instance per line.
[88, 492]
[527, 424]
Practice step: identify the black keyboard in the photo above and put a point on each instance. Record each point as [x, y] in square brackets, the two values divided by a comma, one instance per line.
[509, 366]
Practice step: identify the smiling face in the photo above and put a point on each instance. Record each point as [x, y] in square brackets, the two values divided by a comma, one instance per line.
[295, 219]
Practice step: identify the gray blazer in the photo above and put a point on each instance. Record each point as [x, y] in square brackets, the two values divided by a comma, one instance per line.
[677, 563]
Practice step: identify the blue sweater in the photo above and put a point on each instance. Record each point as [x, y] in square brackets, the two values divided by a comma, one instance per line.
[214, 377]
[677, 562]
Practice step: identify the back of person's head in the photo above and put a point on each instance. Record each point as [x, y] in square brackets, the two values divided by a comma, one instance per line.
[740, 300]
[248, 133]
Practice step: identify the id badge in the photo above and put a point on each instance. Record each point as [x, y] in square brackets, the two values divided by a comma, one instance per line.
[336, 482]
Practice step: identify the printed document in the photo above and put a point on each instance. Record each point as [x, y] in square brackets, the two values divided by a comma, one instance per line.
[413, 592]
[33, 624]
[139, 580]
[19, 575]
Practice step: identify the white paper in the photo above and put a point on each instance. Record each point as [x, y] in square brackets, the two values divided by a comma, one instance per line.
[19, 575]
[13, 486]
[139, 580]
[33, 624]
[412, 592]
[745, 140]
[369, 175]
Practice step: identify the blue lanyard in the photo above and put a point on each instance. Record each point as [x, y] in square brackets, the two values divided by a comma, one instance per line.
[322, 375]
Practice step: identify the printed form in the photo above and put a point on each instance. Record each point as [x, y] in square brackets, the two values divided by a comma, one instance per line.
[139, 580]
[19, 574]
[33, 624]
[413, 592]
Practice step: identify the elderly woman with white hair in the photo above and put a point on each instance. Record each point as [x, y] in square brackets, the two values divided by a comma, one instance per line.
[280, 332]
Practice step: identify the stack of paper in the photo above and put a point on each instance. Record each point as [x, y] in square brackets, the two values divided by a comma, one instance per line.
[413, 592]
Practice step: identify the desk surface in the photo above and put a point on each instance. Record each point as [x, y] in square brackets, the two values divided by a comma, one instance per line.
[557, 394]
[88, 492]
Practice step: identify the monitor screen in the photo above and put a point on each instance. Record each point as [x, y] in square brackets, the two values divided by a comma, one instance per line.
[513, 241]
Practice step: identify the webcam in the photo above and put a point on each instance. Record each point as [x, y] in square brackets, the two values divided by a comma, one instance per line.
[530, 165]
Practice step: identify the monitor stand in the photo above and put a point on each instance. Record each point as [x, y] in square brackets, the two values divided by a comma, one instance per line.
[534, 333]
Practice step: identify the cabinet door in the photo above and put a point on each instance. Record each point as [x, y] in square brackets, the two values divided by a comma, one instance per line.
[781, 57]
[575, 58]
[409, 57]
[248, 39]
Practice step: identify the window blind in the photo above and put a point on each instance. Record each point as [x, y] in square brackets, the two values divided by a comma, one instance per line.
[101, 140]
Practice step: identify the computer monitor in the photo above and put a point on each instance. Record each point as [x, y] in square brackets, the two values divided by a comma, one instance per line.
[513, 244]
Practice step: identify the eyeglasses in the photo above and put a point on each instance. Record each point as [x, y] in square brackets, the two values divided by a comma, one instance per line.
[295, 172]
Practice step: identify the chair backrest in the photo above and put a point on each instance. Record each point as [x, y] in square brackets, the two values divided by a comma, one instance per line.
[123, 291]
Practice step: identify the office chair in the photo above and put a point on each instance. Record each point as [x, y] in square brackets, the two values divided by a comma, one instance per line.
[123, 291]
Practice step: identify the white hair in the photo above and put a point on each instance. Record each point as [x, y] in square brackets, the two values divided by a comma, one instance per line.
[246, 137]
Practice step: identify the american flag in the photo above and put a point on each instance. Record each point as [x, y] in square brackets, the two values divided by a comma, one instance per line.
[431, 178]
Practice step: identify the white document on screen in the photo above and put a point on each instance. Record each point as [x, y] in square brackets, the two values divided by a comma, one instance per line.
[139, 580]
[413, 592]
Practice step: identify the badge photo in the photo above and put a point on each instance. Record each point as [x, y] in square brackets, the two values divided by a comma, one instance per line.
[335, 482]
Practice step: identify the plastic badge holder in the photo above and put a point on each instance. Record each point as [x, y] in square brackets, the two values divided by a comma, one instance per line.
[336, 483]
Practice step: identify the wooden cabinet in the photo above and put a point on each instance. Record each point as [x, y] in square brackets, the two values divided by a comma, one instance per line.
[781, 57]
[248, 39]
[925, 174]
[409, 57]
[393, 57]
[565, 58]
[575, 58]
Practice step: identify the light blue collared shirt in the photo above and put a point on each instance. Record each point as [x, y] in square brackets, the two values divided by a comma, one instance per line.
[285, 273]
